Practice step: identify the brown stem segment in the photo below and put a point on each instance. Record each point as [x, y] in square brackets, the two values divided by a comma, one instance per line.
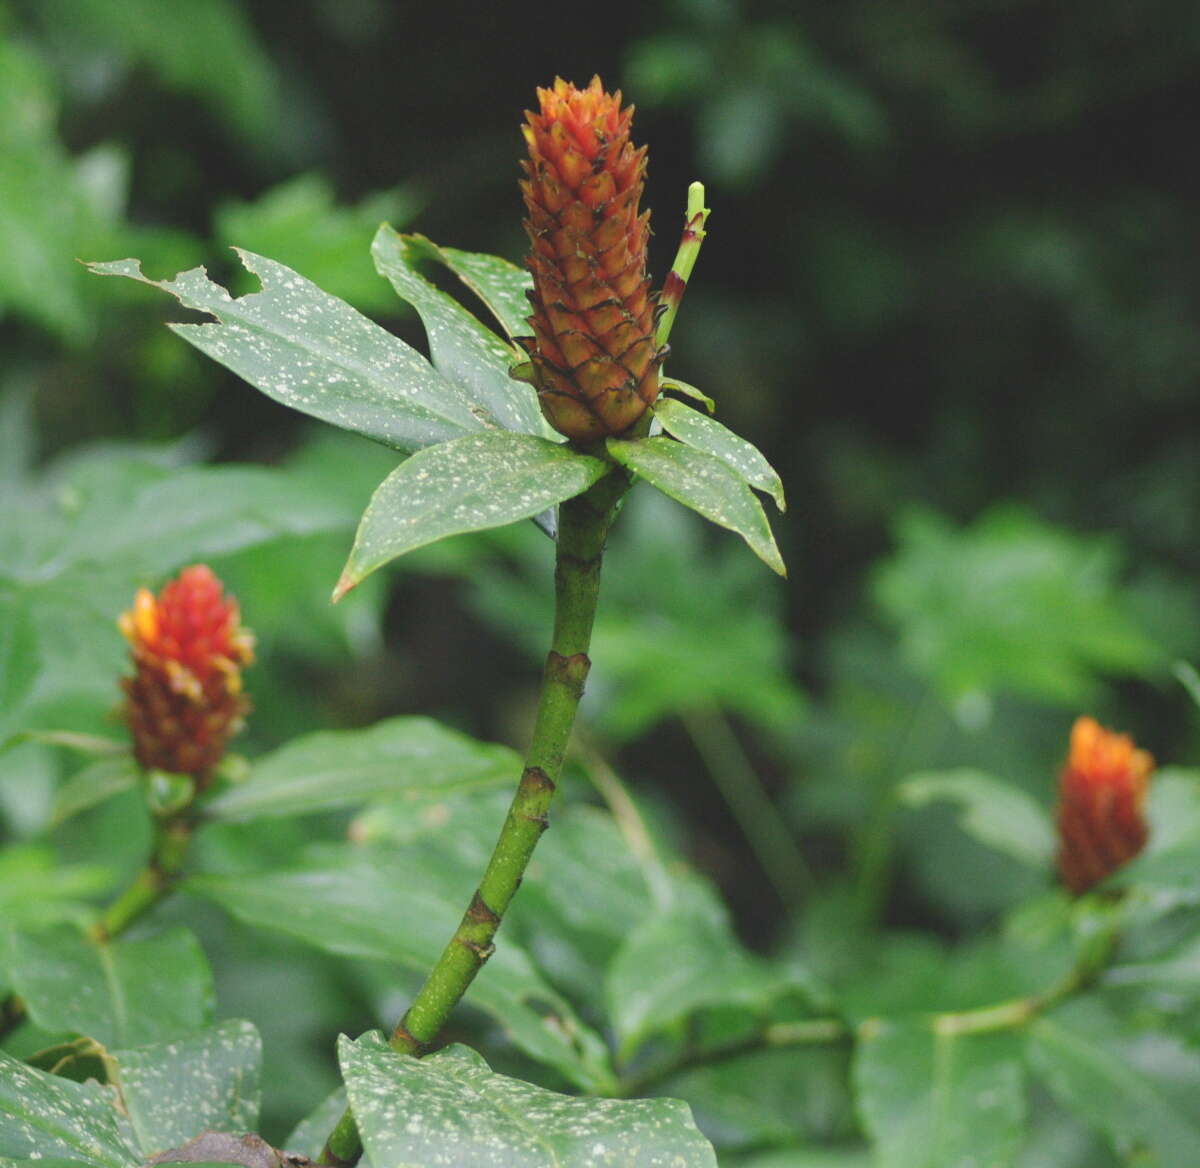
[583, 524]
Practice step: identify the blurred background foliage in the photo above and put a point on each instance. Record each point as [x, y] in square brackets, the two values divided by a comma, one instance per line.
[949, 288]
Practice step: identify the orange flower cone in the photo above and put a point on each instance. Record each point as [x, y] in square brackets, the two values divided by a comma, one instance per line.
[185, 700]
[1101, 817]
[595, 363]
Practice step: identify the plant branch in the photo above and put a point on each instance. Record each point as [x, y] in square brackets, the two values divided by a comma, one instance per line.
[757, 816]
[583, 524]
[1008, 1015]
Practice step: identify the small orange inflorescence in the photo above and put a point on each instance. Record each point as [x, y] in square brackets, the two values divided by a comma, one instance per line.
[185, 700]
[595, 363]
[1102, 791]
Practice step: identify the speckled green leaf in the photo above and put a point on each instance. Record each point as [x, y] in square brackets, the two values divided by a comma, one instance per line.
[673, 383]
[707, 434]
[706, 484]
[460, 345]
[313, 352]
[401, 906]
[121, 993]
[97, 782]
[473, 483]
[995, 812]
[173, 1091]
[500, 285]
[682, 959]
[451, 1109]
[408, 756]
[940, 1100]
[44, 1117]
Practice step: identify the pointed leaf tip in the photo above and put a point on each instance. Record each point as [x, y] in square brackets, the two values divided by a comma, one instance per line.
[345, 582]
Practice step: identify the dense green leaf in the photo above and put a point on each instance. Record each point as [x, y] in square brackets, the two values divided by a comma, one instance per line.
[673, 383]
[402, 907]
[471, 484]
[683, 959]
[1010, 602]
[339, 768]
[207, 1082]
[37, 889]
[460, 345]
[313, 352]
[706, 484]
[121, 993]
[44, 1117]
[1140, 1091]
[98, 781]
[704, 433]
[308, 1137]
[458, 1111]
[995, 812]
[939, 1100]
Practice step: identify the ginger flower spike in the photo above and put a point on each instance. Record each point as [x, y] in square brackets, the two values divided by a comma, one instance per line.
[1101, 817]
[185, 700]
[593, 356]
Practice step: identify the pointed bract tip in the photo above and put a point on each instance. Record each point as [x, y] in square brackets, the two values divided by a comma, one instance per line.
[344, 584]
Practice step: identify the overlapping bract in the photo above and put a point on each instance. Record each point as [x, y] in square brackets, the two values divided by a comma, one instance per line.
[1101, 819]
[595, 363]
[185, 700]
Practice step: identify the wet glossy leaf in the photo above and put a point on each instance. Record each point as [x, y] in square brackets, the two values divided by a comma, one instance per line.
[402, 907]
[704, 483]
[452, 1109]
[704, 433]
[313, 352]
[339, 768]
[471, 484]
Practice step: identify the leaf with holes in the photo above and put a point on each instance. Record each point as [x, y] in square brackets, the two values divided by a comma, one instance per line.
[313, 352]
[706, 484]
[461, 347]
[473, 483]
[451, 1108]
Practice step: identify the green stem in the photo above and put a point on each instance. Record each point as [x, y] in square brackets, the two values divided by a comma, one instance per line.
[676, 282]
[743, 792]
[1008, 1015]
[583, 525]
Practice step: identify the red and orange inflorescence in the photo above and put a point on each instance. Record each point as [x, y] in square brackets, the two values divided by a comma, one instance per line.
[1101, 804]
[185, 700]
[594, 360]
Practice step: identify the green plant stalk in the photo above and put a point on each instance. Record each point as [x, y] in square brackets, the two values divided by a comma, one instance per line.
[676, 282]
[742, 790]
[583, 524]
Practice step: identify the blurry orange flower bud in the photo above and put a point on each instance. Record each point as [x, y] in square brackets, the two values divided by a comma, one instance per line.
[1102, 791]
[594, 359]
[185, 701]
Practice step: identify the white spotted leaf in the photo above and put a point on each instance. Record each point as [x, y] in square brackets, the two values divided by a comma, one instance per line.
[500, 285]
[450, 1108]
[473, 483]
[174, 1091]
[706, 484]
[121, 993]
[403, 757]
[461, 347]
[44, 1117]
[704, 433]
[315, 353]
